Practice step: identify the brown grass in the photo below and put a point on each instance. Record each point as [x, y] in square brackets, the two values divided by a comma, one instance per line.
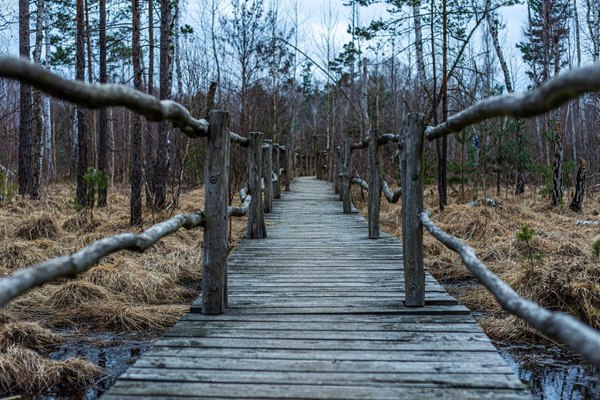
[565, 274]
[30, 335]
[37, 227]
[127, 292]
[24, 370]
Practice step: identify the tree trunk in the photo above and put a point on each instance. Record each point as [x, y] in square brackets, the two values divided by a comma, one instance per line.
[422, 79]
[442, 148]
[135, 213]
[557, 165]
[82, 162]
[162, 159]
[103, 113]
[48, 139]
[25, 171]
[577, 202]
[150, 126]
[38, 132]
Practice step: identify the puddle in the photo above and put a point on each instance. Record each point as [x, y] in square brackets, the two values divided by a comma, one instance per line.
[552, 372]
[115, 353]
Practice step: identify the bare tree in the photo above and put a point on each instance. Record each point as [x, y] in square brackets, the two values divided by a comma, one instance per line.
[25, 116]
[103, 165]
[135, 214]
[82, 140]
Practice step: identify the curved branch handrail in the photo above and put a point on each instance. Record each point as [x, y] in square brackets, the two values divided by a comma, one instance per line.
[105, 95]
[383, 139]
[392, 197]
[242, 210]
[548, 96]
[361, 183]
[573, 333]
[25, 279]
[242, 141]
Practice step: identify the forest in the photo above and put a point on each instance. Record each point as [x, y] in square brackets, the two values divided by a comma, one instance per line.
[521, 191]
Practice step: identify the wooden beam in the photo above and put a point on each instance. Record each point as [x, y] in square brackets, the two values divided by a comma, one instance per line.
[256, 218]
[375, 183]
[412, 206]
[267, 160]
[216, 200]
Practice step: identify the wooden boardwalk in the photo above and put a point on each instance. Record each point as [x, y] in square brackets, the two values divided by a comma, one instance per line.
[316, 311]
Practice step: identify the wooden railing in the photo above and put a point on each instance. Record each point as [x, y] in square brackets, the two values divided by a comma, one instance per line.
[569, 85]
[268, 164]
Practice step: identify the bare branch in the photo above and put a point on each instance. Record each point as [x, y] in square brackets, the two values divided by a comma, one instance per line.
[363, 144]
[100, 96]
[242, 210]
[242, 141]
[361, 183]
[24, 279]
[573, 333]
[391, 197]
[388, 137]
[548, 96]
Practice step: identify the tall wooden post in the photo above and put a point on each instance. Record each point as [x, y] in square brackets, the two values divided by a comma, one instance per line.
[287, 164]
[256, 219]
[315, 150]
[267, 159]
[412, 206]
[276, 166]
[375, 184]
[336, 169]
[347, 177]
[216, 181]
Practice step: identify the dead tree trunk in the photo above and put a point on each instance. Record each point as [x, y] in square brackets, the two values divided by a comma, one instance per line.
[577, 202]
[25, 172]
[557, 166]
[135, 211]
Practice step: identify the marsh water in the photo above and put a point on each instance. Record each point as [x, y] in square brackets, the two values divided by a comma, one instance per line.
[549, 371]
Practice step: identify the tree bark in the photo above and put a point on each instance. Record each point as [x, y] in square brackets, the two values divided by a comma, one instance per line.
[150, 126]
[25, 116]
[82, 148]
[135, 213]
[38, 132]
[103, 165]
[164, 131]
[577, 202]
[557, 165]
[48, 137]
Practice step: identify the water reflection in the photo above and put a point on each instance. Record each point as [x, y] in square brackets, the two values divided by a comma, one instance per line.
[115, 353]
[551, 372]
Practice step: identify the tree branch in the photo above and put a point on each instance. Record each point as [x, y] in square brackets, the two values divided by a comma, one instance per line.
[548, 96]
[573, 333]
[391, 197]
[100, 96]
[72, 265]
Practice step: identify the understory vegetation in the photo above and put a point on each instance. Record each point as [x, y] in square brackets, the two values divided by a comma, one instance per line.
[127, 292]
[556, 268]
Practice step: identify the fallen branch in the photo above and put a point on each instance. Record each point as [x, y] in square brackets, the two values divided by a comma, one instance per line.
[548, 96]
[568, 330]
[72, 265]
[100, 96]
[391, 197]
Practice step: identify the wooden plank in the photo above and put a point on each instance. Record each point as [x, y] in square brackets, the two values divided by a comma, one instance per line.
[316, 311]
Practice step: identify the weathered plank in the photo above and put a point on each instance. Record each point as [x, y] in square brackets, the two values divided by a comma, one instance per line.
[316, 311]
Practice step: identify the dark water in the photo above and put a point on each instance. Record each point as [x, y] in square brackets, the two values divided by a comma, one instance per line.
[114, 353]
[551, 372]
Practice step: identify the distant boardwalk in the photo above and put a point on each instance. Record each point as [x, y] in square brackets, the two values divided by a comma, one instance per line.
[316, 312]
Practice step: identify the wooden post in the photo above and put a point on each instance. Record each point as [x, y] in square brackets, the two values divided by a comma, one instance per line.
[288, 168]
[314, 152]
[412, 206]
[336, 169]
[216, 181]
[256, 219]
[276, 166]
[267, 159]
[375, 184]
[347, 177]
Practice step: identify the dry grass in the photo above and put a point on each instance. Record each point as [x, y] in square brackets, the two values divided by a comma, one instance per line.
[127, 292]
[30, 335]
[38, 227]
[565, 275]
[25, 371]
